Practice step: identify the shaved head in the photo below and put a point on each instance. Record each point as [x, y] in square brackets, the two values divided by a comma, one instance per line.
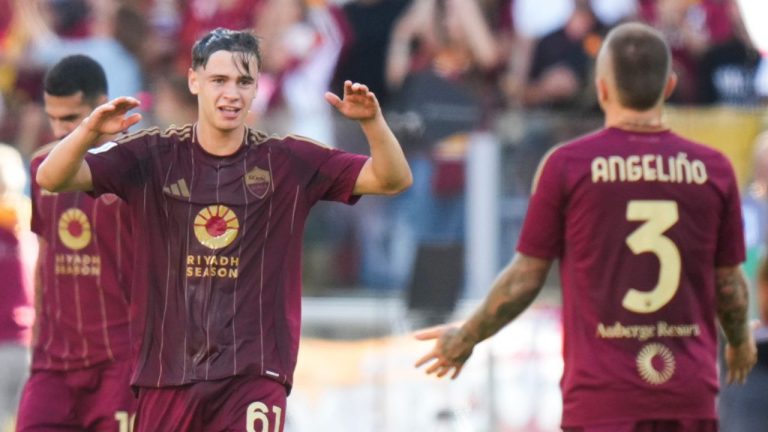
[637, 61]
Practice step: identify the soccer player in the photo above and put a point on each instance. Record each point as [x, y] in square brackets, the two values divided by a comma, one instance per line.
[221, 207]
[80, 377]
[647, 227]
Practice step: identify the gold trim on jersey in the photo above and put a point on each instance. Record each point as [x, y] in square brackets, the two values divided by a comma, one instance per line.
[301, 138]
[181, 132]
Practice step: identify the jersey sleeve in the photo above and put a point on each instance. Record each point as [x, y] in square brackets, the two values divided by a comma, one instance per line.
[542, 233]
[731, 249]
[118, 168]
[333, 172]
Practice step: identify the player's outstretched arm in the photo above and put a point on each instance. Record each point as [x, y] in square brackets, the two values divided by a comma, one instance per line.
[513, 291]
[387, 172]
[64, 168]
[732, 303]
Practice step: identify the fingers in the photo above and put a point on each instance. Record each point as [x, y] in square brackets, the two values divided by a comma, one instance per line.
[430, 333]
[132, 120]
[122, 104]
[432, 355]
[440, 368]
[332, 99]
[351, 88]
[738, 375]
[117, 106]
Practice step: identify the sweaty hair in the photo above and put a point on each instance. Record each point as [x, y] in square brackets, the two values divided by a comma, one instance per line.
[76, 73]
[640, 60]
[244, 43]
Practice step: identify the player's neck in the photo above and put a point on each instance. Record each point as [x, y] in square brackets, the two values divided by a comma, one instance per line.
[219, 142]
[637, 121]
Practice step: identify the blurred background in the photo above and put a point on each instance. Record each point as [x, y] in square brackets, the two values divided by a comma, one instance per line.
[476, 91]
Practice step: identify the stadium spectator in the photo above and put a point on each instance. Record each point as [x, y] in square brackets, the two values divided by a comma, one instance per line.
[357, 237]
[647, 227]
[16, 311]
[440, 71]
[302, 41]
[560, 65]
[222, 209]
[80, 357]
[729, 62]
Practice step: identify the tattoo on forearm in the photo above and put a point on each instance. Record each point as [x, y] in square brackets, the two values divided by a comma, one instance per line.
[732, 302]
[512, 293]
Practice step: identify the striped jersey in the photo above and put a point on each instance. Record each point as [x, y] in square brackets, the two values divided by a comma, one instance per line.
[217, 286]
[84, 269]
[639, 221]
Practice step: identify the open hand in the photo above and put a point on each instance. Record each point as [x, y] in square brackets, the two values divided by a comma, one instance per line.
[359, 103]
[111, 117]
[740, 360]
[450, 352]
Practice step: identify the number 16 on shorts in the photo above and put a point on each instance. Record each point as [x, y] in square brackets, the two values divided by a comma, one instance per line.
[258, 415]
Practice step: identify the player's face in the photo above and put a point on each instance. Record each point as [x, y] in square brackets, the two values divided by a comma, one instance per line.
[65, 112]
[224, 90]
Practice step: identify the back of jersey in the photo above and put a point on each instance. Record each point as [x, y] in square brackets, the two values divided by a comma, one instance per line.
[640, 222]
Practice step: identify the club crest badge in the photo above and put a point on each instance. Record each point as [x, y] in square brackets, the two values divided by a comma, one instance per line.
[258, 181]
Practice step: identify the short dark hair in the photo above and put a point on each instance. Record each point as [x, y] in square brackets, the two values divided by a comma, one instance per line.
[76, 73]
[242, 42]
[641, 60]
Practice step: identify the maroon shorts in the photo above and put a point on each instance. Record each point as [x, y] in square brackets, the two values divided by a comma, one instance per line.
[95, 399]
[236, 404]
[652, 426]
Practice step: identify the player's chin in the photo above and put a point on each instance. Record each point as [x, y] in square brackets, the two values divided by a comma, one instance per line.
[230, 124]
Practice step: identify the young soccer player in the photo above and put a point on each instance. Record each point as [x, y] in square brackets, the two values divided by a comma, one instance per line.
[221, 209]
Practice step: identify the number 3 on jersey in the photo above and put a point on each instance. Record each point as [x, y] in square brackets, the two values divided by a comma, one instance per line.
[658, 216]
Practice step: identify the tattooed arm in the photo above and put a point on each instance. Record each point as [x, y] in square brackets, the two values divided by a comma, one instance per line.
[732, 302]
[512, 292]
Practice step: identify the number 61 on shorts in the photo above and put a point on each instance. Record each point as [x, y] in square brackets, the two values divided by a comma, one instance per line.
[257, 420]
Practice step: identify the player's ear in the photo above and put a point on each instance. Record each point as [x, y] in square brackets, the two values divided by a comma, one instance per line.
[670, 86]
[194, 85]
[602, 89]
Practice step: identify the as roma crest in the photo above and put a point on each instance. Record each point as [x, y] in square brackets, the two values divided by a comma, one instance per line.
[258, 182]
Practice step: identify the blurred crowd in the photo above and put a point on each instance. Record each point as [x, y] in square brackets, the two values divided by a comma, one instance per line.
[442, 69]
[496, 54]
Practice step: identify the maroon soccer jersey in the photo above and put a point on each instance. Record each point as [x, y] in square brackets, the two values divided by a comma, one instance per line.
[218, 241]
[85, 270]
[639, 222]
[15, 304]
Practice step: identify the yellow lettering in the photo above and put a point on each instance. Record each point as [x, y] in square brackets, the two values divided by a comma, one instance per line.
[616, 166]
[649, 173]
[663, 177]
[599, 170]
[634, 171]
